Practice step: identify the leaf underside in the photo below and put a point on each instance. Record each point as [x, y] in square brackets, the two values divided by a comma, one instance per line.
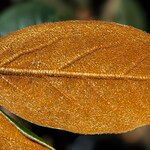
[12, 137]
[86, 77]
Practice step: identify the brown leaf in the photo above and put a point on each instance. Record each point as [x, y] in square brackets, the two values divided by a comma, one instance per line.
[81, 76]
[11, 138]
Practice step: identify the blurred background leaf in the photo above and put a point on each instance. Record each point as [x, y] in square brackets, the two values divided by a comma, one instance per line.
[23, 13]
[31, 13]
[126, 12]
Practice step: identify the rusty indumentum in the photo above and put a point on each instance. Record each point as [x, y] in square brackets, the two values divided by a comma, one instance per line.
[87, 77]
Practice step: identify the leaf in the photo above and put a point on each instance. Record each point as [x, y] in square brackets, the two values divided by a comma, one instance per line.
[31, 13]
[12, 137]
[86, 77]
[125, 12]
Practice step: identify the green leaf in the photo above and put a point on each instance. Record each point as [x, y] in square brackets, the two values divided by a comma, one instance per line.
[127, 12]
[25, 130]
[31, 13]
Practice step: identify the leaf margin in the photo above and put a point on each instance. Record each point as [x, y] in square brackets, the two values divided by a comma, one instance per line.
[25, 131]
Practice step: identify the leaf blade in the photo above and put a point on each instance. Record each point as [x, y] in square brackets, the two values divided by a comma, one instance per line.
[41, 73]
[15, 128]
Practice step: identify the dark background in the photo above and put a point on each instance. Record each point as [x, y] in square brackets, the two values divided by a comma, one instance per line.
[17, 14]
